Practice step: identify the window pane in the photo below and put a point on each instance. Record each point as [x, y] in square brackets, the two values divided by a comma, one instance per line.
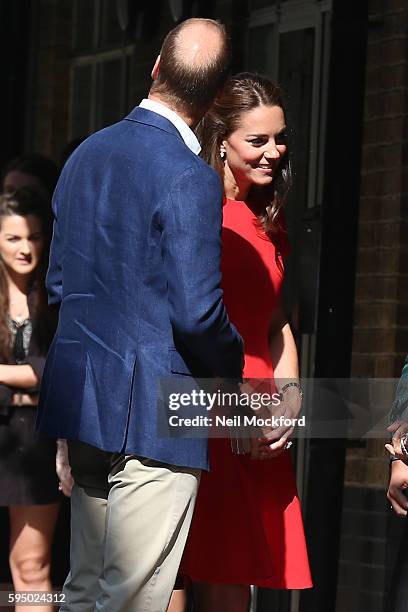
[261, 56]
[84, 25]
[112, 86]
[81, 101]
[111, 32]
[258, 4]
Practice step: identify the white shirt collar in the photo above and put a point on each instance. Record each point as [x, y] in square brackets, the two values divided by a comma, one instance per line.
[185, 132]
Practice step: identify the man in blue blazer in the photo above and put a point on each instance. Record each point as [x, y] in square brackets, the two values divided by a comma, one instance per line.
[135, 267]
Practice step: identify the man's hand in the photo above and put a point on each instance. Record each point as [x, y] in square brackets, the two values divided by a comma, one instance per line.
[398, 429]
[398, 483]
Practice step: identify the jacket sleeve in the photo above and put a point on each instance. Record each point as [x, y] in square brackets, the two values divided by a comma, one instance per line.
[54, 274]
[191, 228]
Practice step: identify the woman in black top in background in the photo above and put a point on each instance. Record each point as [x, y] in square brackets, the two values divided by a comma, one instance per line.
[28, 483]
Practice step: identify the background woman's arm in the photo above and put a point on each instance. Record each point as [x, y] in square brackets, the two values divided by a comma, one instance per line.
[20, 376]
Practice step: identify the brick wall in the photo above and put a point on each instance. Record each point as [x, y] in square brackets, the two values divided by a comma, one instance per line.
[380, 337]
[380, 327]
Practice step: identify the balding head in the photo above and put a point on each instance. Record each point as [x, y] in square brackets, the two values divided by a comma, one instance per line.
[194, 63]
[198, 43]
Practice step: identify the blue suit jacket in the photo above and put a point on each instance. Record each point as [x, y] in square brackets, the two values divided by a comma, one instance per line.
[135, 266]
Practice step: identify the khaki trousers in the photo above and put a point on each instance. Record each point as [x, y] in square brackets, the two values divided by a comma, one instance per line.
[130, 518]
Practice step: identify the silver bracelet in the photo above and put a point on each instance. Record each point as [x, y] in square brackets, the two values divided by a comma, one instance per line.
[292, 384]
[403, 442]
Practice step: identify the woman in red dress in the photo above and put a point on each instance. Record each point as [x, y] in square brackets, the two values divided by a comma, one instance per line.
[247, 527]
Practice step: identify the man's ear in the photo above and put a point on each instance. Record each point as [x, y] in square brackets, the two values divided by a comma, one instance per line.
[156, 68]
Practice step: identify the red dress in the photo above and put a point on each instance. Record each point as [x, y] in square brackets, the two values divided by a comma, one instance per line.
[247, 526]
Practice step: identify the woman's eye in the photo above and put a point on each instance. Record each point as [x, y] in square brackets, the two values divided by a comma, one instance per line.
[258, 142]
[14, 239]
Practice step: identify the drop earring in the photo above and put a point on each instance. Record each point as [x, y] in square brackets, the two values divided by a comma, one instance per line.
[223, 154]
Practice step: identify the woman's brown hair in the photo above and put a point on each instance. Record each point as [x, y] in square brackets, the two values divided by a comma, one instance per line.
[24, 202]
[241, 94]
